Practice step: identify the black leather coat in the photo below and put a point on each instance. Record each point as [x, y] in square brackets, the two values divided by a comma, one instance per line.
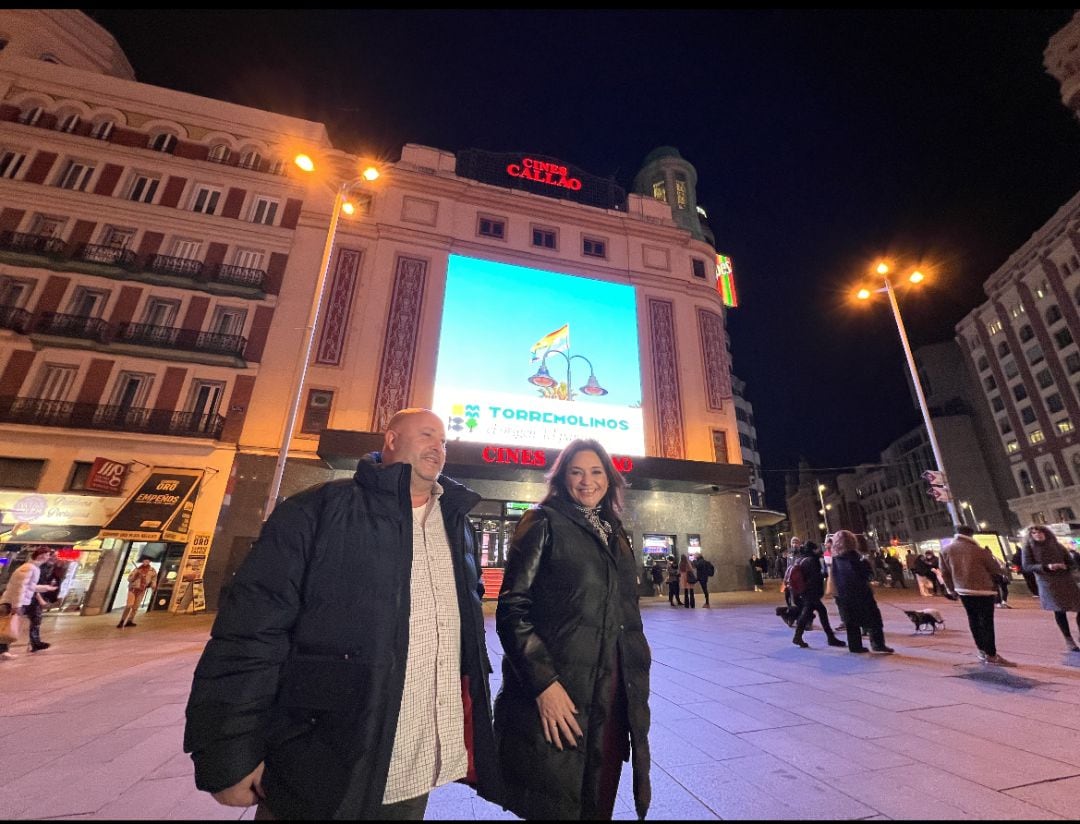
[305, 667]
[568, 604]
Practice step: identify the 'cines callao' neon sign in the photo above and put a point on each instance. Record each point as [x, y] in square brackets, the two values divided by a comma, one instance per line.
[538, 458]
[543, 172]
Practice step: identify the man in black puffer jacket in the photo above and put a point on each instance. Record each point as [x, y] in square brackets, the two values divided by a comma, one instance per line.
[316, 697]
[809, 601]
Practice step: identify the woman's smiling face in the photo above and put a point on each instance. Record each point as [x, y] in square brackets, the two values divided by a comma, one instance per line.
[586, 479]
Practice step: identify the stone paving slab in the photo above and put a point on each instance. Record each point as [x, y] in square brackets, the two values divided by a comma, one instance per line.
[745, 725]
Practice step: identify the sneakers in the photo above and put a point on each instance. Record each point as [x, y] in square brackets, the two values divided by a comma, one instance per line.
[799, 642]
[997, 660]
[981, 656]
[7, 656]
[884, 650]
[40, 646]
[1003, 605]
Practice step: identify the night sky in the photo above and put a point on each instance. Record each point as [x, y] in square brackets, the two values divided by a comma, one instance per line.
[821, 139]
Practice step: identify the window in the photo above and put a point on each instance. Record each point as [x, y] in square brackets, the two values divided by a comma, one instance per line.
[160, 312]
[248, 259]
[1005, 426]
[186, 249]
[21, 473]
[55, 382]
[68, 124]
[228, 320]
[88, 303]
[48, 226]
[132, 390]
[163, 142]
[659, 191]
[1065, 514]
[996, 403]
[80, 471]
[204, 403]
[1027, 415]
[317, 411]
[250, 159]
[1042, 290]
[544, 238]
[719, 440]
[1011, 447]
[143, 188]
[745, 442]
[682, 192]
[983, 364]
[1044, 378]
[1072, 363]
[1038, 517]
[15, 293]
[31, 116]
[10, 163]
[1064, 427]
[591, 247]
[1010, 368]
[1003, 349]
[278, 167]
[989, 383]
[264, 211]
[219, 153]
[1036, 436]
[102, 130]
[1034, 354]
[49, 57]
[1017, 310]
[205, 200]
[697, 265]
[116, 237]
[1026, 486]
[76, 176]
[491, 227]
[993, 327]
[1026, 333]
[1063, 337]
[1053, 480]
[1054, 403]
[1053, 315]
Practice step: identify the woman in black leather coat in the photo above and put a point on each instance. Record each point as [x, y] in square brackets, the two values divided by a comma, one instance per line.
[574, 701]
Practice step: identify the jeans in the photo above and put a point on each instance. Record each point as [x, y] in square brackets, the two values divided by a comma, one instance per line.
[980, 612]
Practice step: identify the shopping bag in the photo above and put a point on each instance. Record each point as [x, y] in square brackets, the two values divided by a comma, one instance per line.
[9, 628]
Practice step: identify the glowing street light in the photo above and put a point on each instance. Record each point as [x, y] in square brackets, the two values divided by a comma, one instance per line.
[341, 204]
[888, 288]
[543, 378]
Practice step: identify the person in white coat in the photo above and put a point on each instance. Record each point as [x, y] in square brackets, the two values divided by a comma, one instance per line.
[22, 587]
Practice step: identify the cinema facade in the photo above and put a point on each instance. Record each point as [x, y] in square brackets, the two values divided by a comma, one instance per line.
[528, 303]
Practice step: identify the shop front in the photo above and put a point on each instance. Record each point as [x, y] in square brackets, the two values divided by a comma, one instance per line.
[671, 507]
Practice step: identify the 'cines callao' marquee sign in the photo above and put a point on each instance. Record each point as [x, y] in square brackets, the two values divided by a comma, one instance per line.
[543, 172]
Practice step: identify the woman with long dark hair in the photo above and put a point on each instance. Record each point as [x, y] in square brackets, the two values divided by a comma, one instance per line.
[1044, 557]
[574, 700]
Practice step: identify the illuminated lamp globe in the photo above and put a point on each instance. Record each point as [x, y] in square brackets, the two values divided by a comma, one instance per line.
[593, 388]
[348, 207]
[916, 277]
[370, 173]
[543, 378]
[304, 162]
[883, 268]
[863, 294]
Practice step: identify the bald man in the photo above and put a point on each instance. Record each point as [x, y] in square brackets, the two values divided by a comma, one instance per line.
[317, 698]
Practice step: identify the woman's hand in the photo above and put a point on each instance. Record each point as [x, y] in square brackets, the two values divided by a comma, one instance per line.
[557, 713]
[245, 792]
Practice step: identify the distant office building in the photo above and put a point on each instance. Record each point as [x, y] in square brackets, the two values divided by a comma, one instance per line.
[744, 416]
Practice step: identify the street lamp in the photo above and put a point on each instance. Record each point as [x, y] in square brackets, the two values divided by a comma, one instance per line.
[824, 509]
[864, 294]
[971, 510]
[341, 204]
[543, 378]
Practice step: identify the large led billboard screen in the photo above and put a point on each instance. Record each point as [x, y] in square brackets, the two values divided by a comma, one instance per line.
[512, 337]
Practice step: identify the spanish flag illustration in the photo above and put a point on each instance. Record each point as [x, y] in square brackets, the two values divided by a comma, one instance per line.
[557, 341]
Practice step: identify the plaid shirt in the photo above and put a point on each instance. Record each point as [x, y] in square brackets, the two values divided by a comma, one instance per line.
[429, 744]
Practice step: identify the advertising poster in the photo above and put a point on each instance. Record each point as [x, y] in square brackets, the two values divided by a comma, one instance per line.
[160, 506]
[536, 358]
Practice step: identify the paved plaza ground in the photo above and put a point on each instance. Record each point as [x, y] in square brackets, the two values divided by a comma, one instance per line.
[745, 724]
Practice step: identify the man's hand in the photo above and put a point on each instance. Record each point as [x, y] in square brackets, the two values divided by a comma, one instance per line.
[247, 791]
[557, 713]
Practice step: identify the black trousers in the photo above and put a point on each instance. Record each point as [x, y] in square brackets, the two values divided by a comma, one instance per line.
[34, 612]
[808, 606]
[704, 589]
[980, 613]
[673, 593]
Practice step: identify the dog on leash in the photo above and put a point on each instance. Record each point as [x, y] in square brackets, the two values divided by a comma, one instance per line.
[925, 618]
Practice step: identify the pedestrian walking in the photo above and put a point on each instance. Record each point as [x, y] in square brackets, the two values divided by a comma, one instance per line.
[809, 600]
[968, 570]
[755, 572]
[673, 596]
[687, 581]
[1017, 562]
[704, 570]
[22, 589]
[854, 596]
[896, 571]
[574, 699]
[1044, 557]
[35, 610]
[924, 575]
[140, 580]
[318, 698]
[657, 575]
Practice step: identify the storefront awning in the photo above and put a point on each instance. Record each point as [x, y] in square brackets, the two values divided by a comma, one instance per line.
[52, 535]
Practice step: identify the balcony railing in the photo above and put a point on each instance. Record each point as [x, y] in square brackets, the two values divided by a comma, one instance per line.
[32, 244]
[172, 338]
[71, 326]
[115, 418]
[239, 276]
[12, 317]
[176, 266]
[111, 255]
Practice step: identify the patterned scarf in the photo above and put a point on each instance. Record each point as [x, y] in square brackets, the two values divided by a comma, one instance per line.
[592, 515]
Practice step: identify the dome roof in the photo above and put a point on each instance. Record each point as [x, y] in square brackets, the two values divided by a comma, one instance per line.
[659, 152]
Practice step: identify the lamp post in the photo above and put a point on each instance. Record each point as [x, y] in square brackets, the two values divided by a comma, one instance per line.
[863, 294]
[824, 509]
[971, 511]
[543, 378]
[341, 204]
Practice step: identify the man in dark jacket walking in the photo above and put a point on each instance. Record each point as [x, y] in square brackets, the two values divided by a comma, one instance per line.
[319, 699]
[809, 600]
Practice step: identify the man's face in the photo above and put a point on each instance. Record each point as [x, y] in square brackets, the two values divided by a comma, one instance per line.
[420, 441]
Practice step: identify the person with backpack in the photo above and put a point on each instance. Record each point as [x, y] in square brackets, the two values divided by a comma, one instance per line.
[705, 571]
[808, 588]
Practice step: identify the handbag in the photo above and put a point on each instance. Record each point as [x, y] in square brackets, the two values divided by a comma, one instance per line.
[9, 628]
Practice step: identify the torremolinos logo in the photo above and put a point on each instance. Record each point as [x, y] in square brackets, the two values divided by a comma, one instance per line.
[463, 416]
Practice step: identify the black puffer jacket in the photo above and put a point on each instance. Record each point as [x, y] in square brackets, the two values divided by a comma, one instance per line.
[814, 578]
[567, 605]
[306, 664]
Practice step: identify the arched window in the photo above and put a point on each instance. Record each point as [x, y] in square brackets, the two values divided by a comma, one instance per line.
[102, 130]
[31, 116]
[219, 153]
[49, 57]
[659, 189]
[163, 142]
[250, 159]
[682, 191]
[1052, 477]
[1026, 487]
[1053, 315]
[68, 123]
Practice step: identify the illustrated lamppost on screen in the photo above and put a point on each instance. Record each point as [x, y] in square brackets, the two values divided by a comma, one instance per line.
[558, 343]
